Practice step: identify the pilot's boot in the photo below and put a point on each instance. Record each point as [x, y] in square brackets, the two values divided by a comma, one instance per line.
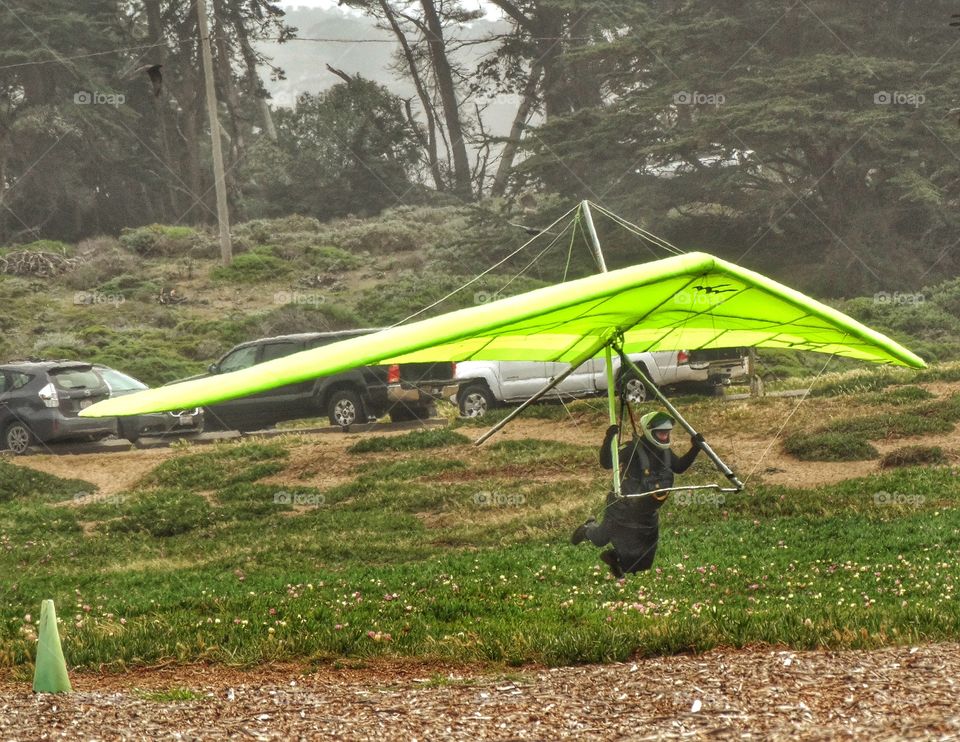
[581, 531]
[612, 560]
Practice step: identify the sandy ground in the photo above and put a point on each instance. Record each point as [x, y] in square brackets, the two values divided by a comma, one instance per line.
[892, 693]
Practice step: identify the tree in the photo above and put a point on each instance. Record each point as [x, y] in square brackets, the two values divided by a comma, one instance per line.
[421, 28]
[807, 141]
[350, 150]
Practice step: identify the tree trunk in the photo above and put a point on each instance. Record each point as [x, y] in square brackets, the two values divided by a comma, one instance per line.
[448, 97]
[428, 110]
[516, 131]
[254, 87]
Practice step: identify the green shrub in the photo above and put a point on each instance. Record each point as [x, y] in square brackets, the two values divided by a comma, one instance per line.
[262, 231]
[408, 293]
[300, 317]
[158, 240]
[256, 266]
[418, 439]
[130, 286]
[331, 259]
[54, 246]
[378, 238]
[103, 260]
[914, 456]
[828, 447]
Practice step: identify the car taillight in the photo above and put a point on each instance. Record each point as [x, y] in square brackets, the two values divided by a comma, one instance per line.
[682, 356]
[49, 396]
[453, 370]
[393, 374]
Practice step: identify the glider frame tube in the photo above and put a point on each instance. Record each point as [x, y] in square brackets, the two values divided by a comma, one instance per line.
[704, 446]
[686, 488]
[612, 407]
[550, 385]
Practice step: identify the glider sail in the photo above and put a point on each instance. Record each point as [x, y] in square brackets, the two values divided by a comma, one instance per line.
[690, 301]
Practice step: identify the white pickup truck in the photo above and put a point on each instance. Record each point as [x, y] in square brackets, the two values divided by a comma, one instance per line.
[485, 384]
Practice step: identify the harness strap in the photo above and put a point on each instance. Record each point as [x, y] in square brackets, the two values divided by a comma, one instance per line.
[645, 466]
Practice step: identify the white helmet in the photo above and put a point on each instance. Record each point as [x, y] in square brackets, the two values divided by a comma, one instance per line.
[656, 427]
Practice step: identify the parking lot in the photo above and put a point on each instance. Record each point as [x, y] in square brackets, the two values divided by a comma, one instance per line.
[117, 445]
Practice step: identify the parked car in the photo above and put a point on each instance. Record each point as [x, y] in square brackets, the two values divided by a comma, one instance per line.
[39, 402]
[406, 391]
[485, 384]
[134, 427]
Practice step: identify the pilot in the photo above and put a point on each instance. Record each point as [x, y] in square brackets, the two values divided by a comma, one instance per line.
[631, 525]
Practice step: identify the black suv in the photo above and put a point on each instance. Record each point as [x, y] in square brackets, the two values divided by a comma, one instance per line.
[404, 391]
[39, 402]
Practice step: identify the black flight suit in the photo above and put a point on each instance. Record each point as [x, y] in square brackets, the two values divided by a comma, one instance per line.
[632, 524]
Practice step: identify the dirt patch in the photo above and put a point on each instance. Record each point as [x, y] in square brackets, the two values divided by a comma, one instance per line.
[892, 693]
[111, 473]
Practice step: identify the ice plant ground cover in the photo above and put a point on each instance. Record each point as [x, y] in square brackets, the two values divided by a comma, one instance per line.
[299, 549]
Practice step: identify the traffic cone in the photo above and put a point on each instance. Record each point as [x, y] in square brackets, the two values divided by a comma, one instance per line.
[50, 675]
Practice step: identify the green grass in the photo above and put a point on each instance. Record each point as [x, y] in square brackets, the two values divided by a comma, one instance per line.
[23, 484]
[428, 556]
[914, 456]
[828, 446]
[846, 438]
[900, 395]
[579, 410]
[418, 440]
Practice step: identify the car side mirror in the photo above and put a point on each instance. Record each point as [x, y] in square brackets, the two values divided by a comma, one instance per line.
[213, 368]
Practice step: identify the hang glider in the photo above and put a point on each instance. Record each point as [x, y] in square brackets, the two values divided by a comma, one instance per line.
[690, 301]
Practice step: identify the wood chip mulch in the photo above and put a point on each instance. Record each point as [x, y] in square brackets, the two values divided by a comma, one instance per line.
[892, 693]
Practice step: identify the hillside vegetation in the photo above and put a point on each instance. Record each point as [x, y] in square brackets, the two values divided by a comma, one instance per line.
[157, 303]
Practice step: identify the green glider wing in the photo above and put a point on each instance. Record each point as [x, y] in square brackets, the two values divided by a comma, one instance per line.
[690, 301]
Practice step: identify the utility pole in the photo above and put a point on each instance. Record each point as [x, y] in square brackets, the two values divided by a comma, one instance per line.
[223, 214]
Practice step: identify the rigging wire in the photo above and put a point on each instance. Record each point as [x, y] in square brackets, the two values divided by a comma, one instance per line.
[803, 398]
[536, 257]
[488, 270]
[639, 231]
[82, 56]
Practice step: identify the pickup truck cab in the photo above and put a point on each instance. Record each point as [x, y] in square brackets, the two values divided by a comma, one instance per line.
[404, 391]
[484, 384]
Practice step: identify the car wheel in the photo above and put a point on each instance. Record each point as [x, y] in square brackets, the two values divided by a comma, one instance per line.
[345, 408]
[475, 400]
[17, 438]
[635, 391]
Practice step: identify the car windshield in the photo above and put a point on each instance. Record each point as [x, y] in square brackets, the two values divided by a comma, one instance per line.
[120, 382]
[239, 359]
[75, 378]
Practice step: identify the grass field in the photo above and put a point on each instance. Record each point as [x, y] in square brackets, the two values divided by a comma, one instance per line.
[423, 546]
